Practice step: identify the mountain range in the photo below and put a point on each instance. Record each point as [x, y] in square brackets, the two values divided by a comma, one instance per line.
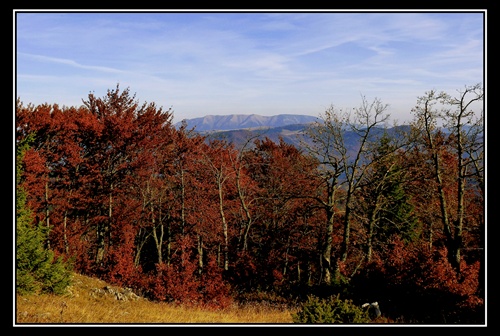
[240, 129]
[212, 123]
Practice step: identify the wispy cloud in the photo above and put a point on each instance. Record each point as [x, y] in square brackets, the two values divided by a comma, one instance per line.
[210, 63]
[68, 62]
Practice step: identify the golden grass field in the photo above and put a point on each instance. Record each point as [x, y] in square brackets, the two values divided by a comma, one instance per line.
[81, 305]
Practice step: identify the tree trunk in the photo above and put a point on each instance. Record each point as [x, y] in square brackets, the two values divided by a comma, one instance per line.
[369, 242]
[65, 235]
[200, 254]
[47, 212]
[248, 221]
[158, 238]
[183, 202]
[224, 225]
[103, 232]
[327, 252]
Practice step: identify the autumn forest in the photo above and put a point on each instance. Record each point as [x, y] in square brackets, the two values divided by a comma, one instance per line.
[398, 218]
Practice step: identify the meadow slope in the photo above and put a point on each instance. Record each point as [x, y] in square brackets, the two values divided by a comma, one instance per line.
[92, 301]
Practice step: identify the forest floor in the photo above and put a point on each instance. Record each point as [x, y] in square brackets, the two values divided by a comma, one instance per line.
[92, 301]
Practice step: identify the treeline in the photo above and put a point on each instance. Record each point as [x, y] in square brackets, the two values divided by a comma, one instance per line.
[399, 219]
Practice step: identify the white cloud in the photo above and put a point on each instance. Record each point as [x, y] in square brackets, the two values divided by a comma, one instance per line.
[255, 62]
[68, 62]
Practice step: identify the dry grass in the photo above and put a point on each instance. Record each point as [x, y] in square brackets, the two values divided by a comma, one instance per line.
[85, 304]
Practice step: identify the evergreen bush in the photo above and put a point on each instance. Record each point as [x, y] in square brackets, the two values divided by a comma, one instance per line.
[330, 310]
[37, 269]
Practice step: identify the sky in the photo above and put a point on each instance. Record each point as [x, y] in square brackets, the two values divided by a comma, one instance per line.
[248, 62]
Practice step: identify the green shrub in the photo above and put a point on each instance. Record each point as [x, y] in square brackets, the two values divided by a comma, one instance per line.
[37, 270]
[330, 310]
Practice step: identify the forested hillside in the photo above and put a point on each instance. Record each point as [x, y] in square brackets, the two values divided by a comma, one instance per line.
[132, 199]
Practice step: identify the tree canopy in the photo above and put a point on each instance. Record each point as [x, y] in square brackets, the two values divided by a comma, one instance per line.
[119, 192]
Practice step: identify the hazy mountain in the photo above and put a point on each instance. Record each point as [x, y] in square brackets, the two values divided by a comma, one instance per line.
[239, 129]
[292, 134]
[243, 121]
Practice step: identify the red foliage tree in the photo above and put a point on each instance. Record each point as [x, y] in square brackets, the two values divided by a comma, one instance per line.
[284, 177]
[138, 202]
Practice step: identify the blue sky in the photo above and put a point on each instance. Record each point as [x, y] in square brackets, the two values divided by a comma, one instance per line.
[267, 63]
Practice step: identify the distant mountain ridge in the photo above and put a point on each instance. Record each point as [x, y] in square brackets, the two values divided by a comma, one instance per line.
[245, 121]
[238, 129]
[293, 134]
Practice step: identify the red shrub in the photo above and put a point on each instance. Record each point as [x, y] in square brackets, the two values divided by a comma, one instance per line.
[420, 284]
[214, 290]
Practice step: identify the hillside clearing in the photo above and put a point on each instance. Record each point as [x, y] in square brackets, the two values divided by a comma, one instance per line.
[88, 301]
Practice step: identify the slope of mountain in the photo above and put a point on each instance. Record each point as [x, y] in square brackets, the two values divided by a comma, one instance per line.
[243, 121]
[295, 134]
[242, 130]
[292, 134]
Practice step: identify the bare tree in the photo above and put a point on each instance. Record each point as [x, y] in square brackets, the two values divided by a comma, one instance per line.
[218, 162]
[464, 124]
[342, 168]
